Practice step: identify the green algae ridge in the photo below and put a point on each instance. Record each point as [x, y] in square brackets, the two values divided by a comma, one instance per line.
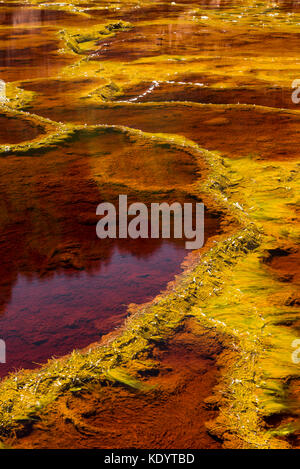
[85, 41]
[54, 133]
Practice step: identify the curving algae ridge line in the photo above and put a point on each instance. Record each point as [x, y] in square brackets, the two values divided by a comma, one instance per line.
[55, 132]
[25, 395]
[82, 41]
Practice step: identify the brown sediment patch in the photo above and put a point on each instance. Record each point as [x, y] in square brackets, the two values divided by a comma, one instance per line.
[171, 414]
[193, 39]
[53, 86]
[288, 5]
[23, 14]
[287, 422]
[186, 90]
[285, 262]
[20, 47]
[212, 4]
[289, 265]
[153, 40]
[31, 53]
[291, 420]
[18, 128]
[248, 131]
[50, 92]
[141, 12]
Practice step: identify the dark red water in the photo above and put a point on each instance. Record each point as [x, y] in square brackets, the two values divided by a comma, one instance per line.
[69, 308]
[51, 316]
